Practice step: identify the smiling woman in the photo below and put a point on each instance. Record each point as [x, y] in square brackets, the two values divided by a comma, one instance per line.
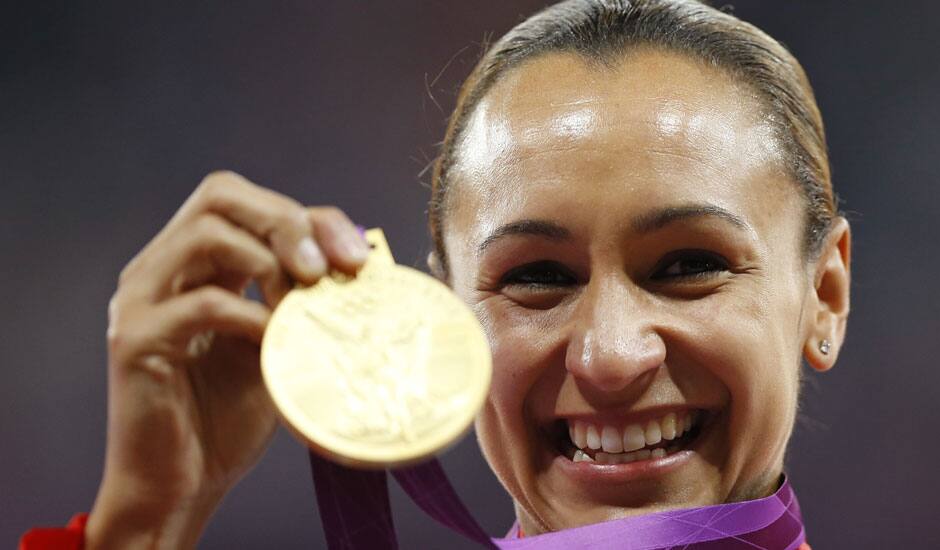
[633, 197]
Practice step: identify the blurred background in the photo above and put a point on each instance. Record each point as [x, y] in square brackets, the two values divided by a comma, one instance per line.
[111, 113]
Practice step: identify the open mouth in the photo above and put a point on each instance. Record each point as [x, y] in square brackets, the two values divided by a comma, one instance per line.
[610, 443]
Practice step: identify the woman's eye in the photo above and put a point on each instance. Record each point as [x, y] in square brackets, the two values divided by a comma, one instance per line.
[539, 275]
[690, 264]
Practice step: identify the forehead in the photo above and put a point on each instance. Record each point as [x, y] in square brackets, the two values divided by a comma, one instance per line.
[658, 125]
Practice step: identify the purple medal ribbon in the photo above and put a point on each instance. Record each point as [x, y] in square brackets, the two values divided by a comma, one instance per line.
[356, 514]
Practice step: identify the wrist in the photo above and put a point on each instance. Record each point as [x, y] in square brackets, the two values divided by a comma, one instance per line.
[122, 520]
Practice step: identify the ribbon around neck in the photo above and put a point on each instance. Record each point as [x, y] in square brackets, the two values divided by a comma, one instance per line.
[356, 514]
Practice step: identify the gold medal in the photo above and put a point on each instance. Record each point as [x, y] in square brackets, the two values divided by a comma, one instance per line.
[376, 370]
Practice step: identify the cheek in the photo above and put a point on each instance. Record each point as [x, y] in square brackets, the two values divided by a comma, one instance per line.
[753, 350]
[521, 355]
[516, 356]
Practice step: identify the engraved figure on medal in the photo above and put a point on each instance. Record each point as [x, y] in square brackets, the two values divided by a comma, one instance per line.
[377, 369]
[380, 359]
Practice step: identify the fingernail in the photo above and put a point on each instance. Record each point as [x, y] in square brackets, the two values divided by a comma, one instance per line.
[356, 248]
[311, 257]
[357, 251]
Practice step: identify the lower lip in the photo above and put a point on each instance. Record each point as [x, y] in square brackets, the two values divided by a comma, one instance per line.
[653, 467]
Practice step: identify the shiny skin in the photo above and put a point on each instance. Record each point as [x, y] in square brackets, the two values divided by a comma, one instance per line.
[673, 277]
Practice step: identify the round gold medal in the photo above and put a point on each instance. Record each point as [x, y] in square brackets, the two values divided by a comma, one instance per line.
[377, 370]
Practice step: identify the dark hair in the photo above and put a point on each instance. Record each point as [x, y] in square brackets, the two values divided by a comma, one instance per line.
[602, 30]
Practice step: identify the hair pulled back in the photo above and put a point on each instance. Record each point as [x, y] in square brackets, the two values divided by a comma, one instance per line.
[603, 30]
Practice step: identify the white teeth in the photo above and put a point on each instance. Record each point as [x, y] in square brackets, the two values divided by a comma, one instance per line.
[668, 426]
[611, 440]
[581, 456]
[653, 435]
[579, 437]
[633, 438]
[593, 438]
[622, 445]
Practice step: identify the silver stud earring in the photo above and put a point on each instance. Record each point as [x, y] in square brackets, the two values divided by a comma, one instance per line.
[824, 347]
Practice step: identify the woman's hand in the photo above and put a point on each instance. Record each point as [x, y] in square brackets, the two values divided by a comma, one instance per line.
[188, 414]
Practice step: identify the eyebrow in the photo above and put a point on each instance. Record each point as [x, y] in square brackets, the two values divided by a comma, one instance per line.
[646, 223]
[541, 228]
[657, 219]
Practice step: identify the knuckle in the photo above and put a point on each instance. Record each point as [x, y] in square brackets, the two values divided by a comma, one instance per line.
[205, 236]
[114, 307]
[127, 272]
[207, 228]
[115, 336]
[117, 315]
[211, 302]
[118, 333]
[221, 178]
[217, 184]
[331, 213]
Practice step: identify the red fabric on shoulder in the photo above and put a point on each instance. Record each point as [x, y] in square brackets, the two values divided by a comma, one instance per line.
[70, 537]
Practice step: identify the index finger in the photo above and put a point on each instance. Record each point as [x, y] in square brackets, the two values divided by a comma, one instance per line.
[279, 221]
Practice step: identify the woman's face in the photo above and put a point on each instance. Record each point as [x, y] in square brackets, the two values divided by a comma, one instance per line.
[632, 246]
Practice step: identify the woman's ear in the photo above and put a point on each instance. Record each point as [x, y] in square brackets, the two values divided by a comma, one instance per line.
[437, 269]
[830, 298]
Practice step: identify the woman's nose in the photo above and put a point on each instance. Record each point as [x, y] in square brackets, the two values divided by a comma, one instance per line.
[613, 340]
